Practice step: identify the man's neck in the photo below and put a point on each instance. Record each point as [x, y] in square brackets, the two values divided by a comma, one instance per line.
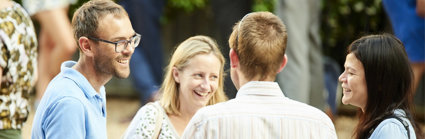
[243, 80]
[95, 78]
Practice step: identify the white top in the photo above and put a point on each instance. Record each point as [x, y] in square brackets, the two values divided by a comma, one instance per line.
[143, 124]
[260, 110]
[35, 6]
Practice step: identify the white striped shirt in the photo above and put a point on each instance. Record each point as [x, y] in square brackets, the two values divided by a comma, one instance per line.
[260, 110]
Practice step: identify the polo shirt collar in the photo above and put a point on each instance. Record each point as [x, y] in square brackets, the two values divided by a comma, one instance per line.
[79, 79]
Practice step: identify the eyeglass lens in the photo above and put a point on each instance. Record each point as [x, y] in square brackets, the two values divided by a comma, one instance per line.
[122, 45]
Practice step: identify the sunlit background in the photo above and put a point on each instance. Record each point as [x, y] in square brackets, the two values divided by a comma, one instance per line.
[342, 21]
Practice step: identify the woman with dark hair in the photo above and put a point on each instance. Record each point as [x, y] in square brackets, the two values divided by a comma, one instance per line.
[378, 79]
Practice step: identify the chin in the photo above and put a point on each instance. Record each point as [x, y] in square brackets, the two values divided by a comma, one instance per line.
[203, 104]
[344, 101]
[122, 75]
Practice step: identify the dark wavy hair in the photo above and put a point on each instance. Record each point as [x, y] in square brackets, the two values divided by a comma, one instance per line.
[388, 78]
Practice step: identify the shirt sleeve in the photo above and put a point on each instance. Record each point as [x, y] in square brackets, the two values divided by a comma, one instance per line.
[65, 119]
[389, 129]
[143, 124]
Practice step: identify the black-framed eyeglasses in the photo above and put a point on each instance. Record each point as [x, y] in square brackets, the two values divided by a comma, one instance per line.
[121, 45]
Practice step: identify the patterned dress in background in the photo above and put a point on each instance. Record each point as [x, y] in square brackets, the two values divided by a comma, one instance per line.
[18, 59]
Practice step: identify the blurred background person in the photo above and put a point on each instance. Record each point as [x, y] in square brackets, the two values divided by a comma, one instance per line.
[194, 79]
[303, 77]
[226, 14]
[56, 39]
[18, 67]
[408, 23]
[148, 59]
[378, 79]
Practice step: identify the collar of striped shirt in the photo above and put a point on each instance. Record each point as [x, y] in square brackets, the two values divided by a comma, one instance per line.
[260, 88]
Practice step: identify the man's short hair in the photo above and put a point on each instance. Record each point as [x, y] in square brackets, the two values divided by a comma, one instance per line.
[86, 19]
[259, 40]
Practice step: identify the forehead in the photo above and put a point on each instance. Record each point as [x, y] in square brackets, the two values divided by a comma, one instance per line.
[204, 62]
[113, 26]
[352, 62]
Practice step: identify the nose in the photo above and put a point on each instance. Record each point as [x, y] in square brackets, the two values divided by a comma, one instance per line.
[129, 49]
[341, 77]
[205, 85]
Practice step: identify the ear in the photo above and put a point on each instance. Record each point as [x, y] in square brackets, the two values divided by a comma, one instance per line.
[176, 74]
[284, 61]
[85, 46]
[234, 59]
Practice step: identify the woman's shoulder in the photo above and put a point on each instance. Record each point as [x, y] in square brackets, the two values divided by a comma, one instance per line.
[390, 128]
[150, 110]
[144, 123]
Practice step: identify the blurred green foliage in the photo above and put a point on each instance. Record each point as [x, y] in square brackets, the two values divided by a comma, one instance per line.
[263, 5]
[18, 1]
[186, 5]
[191, 5]
[177, 7]
[74, 7]
[174, 7]
[344, 21]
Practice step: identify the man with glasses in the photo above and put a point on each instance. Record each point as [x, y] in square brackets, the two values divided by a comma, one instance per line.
[73, 105]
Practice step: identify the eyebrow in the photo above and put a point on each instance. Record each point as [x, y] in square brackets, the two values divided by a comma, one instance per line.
[122, 38]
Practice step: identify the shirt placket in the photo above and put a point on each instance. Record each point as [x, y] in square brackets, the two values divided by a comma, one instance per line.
[101, 105]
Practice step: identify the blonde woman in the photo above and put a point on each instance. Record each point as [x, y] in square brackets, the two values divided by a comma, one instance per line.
[194, 79]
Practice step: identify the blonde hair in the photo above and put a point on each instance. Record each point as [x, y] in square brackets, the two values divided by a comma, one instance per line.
[259, 40]
[185, 51]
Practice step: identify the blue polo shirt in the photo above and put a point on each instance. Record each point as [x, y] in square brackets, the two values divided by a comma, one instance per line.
[70, 108]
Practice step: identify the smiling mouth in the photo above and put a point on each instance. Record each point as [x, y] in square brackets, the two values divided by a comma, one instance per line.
[346, 90]
[123, 61]
[202, 94]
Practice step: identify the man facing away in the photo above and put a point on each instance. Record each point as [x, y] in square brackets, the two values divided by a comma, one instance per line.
[260, 110]
[73, 105]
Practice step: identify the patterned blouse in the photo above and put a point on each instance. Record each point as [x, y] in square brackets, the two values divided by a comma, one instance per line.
[18, 50]
[143, 124]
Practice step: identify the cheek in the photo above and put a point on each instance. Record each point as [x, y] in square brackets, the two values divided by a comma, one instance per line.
[353, 83]
[359, 86]
[214, 86]
[363, 92]
[192, 84]
[359, 92]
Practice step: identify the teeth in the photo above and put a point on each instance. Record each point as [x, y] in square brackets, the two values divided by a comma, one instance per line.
[202, 94]
[346, 90]
[123, 61]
